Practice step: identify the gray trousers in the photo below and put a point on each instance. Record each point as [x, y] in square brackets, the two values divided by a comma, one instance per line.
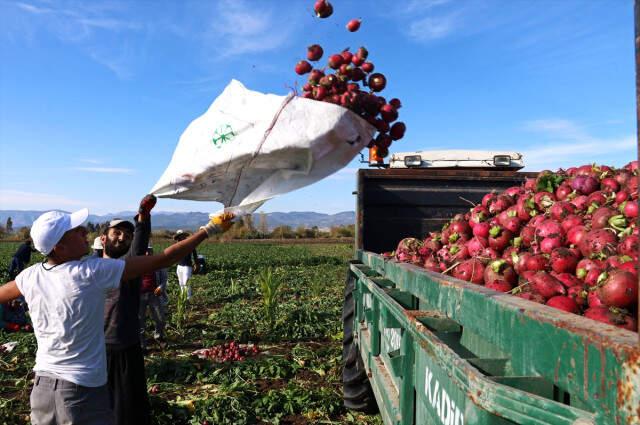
[60, 402]
[157, 305]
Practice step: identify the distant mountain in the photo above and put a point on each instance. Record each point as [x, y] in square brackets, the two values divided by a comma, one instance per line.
[193, 220]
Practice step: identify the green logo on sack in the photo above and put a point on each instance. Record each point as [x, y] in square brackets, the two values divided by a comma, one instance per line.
[223, 135]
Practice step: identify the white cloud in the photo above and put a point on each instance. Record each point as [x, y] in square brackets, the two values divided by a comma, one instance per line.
[432, 28]
[560, 128]
[107, 170]
[569, 144]
[237, 28]
[15, 199]
[97, 28]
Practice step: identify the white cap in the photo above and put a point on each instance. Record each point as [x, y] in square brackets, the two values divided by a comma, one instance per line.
[49, 228]
[97, 243]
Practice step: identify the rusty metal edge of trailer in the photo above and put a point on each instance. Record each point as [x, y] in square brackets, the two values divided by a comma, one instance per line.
[610, 354]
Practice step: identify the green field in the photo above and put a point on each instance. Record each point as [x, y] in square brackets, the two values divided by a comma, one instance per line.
[294, 379]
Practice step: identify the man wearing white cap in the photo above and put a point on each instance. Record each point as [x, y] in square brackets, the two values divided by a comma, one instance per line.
[66, 296]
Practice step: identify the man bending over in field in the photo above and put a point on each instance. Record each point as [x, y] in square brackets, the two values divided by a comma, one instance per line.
[66, 297]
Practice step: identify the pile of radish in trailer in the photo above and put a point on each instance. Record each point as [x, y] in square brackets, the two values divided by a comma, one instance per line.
[567, 239]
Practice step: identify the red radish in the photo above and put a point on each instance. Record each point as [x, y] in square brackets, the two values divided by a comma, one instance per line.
[397, 130]
[568, 280]
[377, 82]
[476, 245]
[323, 8]
[544, 200]
[609, 184]
[576, 235]
[383, 140]
[547, 245]
[395, 103]
[563, 191]
[481, 229]
[320, 92]
[460, 226]
[585, 184]
[579, 294]
[581, 202]
[528, 235]
[510, 254]
[619, 289]
[549, 228]
[357, 74]
[500, 276]
[314, 52]
[490, 253]
[315, 76]
[499, 238]
[594, 276]
[478, 214]
[353, 25]
[488, 199]
[546, 285]
[571, 221]
[630, 266]
[470, 270]
[367, 67]
[630, 209]
[432, 264]
[601, 216]
[536, 262]
[388, 113]
[519, 261]
[630, 246]
[600, 242]
[347, 56]
[605, 315]
[564, 303]
[593, 300]
[563, 260]
[500, 203]
[560, 210]
[357, 61]
[514, 191]
[362, 53]
[530, 184]
[335, 61]
[303, 67]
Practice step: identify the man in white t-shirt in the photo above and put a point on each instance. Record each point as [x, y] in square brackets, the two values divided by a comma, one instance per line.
[66, 297]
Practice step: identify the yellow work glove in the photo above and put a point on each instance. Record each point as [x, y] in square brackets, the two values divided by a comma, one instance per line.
[218, 223]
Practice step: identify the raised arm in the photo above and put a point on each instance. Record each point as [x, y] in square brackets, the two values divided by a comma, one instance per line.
[137, 266]
[9, 291]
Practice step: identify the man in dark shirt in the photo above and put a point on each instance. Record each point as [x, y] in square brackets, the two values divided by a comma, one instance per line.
[20, 259]
[125, 362]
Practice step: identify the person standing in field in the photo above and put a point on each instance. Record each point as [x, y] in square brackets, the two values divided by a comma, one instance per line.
[97, 247]
[125, 361]
[20, 259]
[153, 296]
[66, 295]
[185, 267]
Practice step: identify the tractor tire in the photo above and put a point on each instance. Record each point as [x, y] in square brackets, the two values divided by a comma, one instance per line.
[356, 389]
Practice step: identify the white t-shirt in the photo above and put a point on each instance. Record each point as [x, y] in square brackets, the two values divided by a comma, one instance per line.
[66, 304]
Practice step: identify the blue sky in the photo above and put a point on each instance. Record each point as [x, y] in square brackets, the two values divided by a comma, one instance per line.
[94, 95]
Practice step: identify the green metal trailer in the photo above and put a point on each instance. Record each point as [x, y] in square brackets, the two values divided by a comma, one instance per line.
[425, 348]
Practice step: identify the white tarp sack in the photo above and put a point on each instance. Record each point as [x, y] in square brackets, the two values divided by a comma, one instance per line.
[249, 147]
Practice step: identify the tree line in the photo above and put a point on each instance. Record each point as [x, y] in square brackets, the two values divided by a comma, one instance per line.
[242, 229]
